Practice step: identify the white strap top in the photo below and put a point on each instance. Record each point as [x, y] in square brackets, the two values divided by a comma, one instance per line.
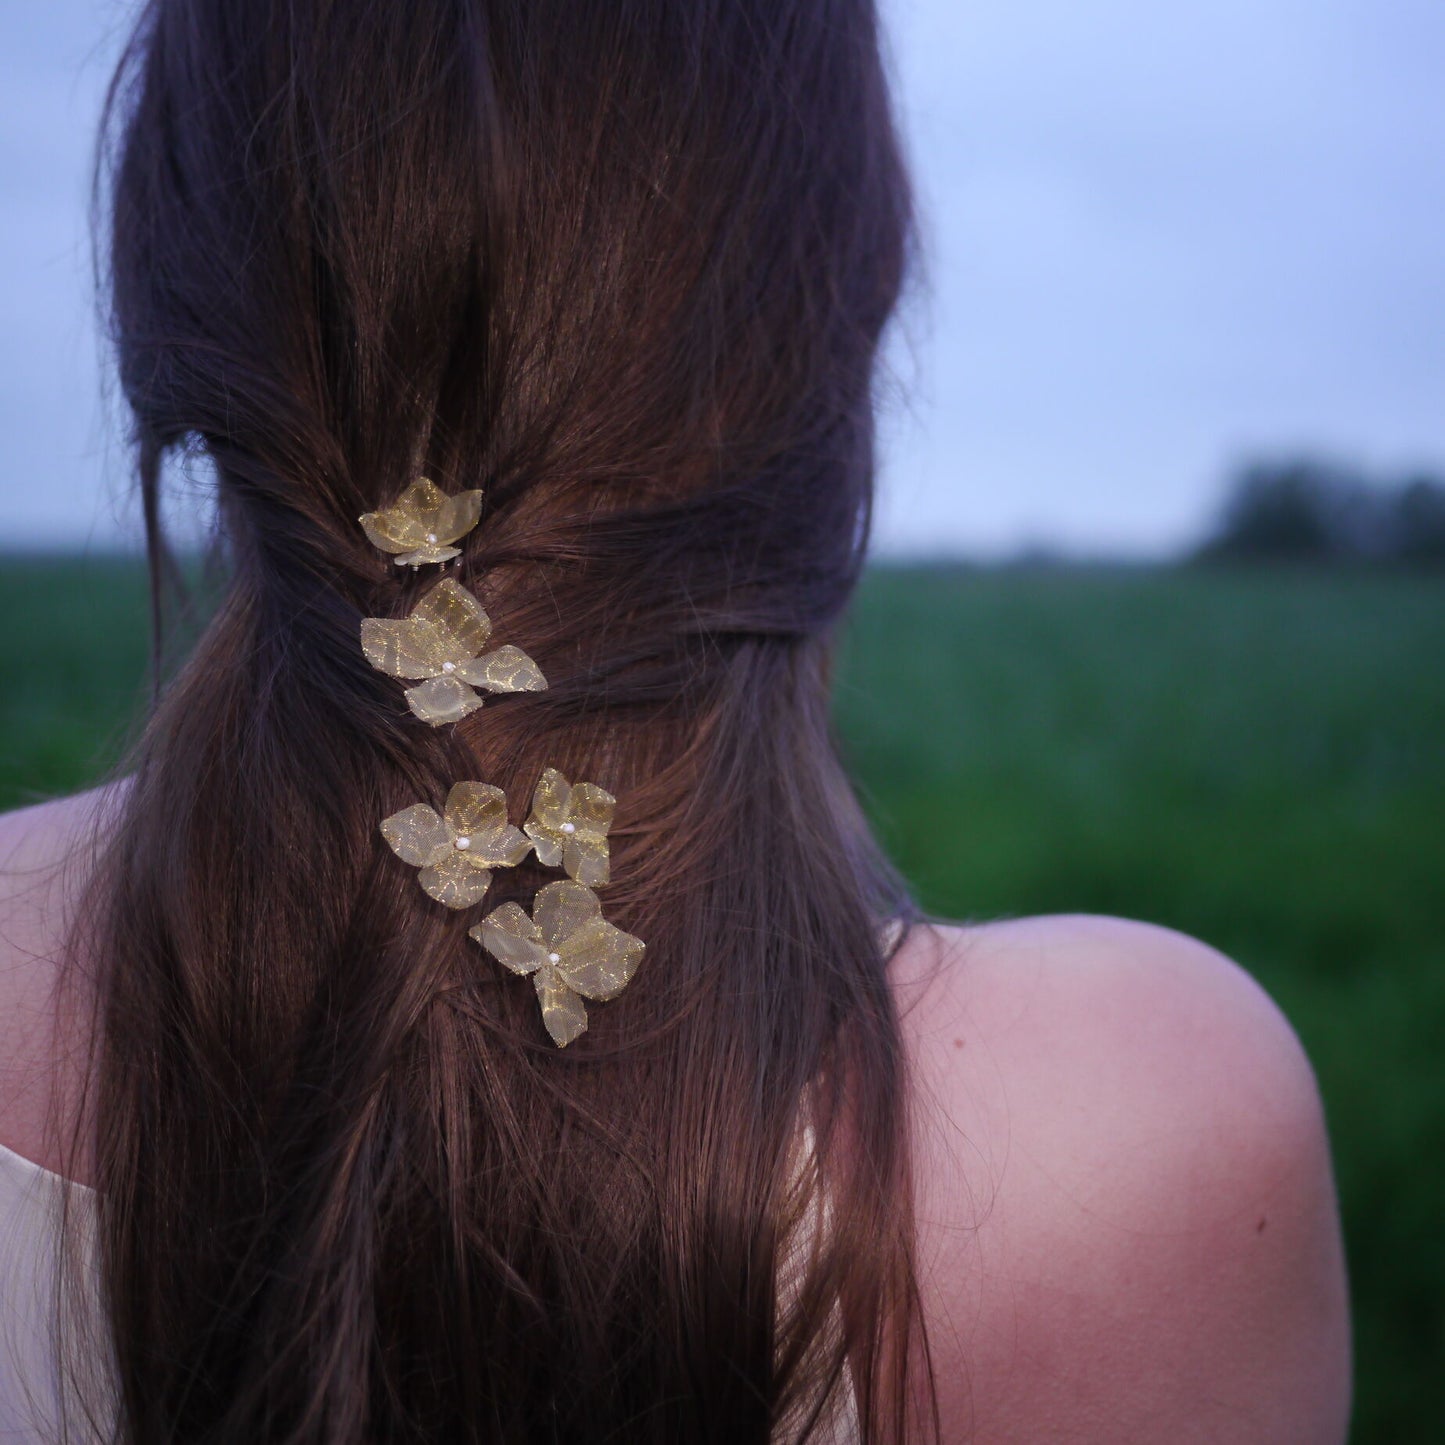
[31, 1396]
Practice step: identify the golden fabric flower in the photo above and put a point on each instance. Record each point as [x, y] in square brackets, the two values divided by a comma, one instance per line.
[568, 827]
[441, 641]
[457, 851]
[422, 522]
[568, 948]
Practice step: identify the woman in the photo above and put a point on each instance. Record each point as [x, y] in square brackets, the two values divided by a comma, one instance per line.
[815, 1169]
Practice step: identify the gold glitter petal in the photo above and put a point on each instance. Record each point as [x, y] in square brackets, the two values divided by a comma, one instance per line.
[560, 909]
[422, 500]
[584, 856]
[473, 808]
[459, 617]
[563, 1012]
[512, 939]
[417, 835]
[550, 799]
[405, 524]
[508, 669]
[599, 960]
[458, 515]
[503, 848]
[442, 700]
[592, 807]
[397, 647]
[392, 531]
[456, 880]
[547, 843]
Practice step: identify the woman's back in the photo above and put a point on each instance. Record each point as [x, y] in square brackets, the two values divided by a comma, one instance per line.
[395, 1133]
[1126, 1221]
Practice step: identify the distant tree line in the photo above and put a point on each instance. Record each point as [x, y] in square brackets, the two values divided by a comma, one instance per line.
[1311, 511]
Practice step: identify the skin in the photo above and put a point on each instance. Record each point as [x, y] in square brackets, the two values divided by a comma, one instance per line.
[1127, 1216]
[1127, 1224]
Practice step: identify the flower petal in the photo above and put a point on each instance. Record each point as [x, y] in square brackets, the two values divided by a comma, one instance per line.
[550, 799]
[592, 807]
[560, 909]
[457, 515]
[584, 856]
[424, 500]
[392, 531]
[403, 647]
[455, 880]
[442, 700]
[511, 938]
[458, 617]
[417, 835]
[546, 841]
[501, 848]
[473, 808]
[563, 1012]
[598, 959]
[508, 669]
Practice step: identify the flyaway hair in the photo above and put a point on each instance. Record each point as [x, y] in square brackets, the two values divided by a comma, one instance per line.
[622, 267]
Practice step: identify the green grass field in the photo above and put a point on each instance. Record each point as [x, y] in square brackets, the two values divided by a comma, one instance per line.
[1256, 759]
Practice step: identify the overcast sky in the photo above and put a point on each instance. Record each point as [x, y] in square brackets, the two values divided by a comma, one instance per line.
[1159, 236]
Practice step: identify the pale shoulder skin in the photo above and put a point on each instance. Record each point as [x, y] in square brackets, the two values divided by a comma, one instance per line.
[1127, 1221]
[1127, 1217]
[45, 859]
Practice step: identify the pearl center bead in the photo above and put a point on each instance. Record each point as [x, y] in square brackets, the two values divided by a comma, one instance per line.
[431, 536]
[554, 958]
[463, 843]
[569, 827]
[449, 667]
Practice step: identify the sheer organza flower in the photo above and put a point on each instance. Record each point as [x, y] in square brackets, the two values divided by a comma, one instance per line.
[422, 522]
[571, 952]
[442, 641]
[457, 850]
[568, 827]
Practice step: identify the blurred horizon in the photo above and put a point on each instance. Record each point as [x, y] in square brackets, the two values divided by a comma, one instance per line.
[1159, 244]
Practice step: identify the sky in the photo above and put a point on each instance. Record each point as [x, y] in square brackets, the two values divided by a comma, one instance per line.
[1157, 239]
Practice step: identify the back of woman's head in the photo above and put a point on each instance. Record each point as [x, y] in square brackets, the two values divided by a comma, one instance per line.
[622, 265]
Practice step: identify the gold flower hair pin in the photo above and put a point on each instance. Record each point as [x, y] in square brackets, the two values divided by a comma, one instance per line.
[566, 946]
[571, 952]
[442, 641]
[422, 523]
[568, 827]
[457, 850]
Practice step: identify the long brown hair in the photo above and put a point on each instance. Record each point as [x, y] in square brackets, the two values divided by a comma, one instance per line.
[623, 265]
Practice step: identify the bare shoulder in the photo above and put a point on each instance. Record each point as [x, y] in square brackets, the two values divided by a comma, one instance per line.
[46, 853]
[1127, 1214]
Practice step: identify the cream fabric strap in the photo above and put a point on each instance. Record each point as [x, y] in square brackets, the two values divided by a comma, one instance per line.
[31, 1394]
